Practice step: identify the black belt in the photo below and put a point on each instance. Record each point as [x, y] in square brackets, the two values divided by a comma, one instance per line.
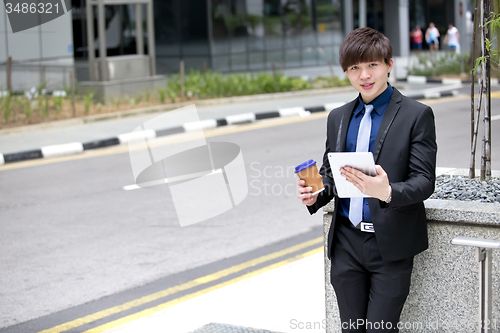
[362, 226]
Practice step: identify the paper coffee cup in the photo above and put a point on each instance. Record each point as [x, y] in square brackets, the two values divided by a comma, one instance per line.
[308, 171]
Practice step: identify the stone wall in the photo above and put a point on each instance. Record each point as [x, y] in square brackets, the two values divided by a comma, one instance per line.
[444, 296]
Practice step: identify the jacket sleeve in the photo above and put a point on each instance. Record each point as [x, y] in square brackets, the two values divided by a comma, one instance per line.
[422, 163]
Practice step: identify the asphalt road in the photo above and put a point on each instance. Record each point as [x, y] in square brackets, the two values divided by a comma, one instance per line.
[70, 234]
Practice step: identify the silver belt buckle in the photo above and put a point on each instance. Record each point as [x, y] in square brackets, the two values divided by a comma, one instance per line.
[367, 227]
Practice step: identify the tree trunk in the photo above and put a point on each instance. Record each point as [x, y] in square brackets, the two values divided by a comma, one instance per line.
[485, 76]
[473, 134]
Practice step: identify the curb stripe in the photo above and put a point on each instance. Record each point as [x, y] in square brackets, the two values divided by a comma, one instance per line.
[172, 290]
[170, 131]
[139, 135]
[330, 106]
[25, 155]
[431, 80]
[240, 118]
[449, 93]
[64, 149]
[199, 125]
[436, 94]
[316, 109]
[430, 95]
[416, 79]
[221, 122]
[451, 81]
[267, 115]
[101, 143]
[445, 81]
[295, 111]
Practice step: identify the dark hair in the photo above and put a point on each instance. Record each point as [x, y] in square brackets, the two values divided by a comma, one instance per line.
[364, 45]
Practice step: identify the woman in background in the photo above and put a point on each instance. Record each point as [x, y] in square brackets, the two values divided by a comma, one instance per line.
[432, 37]
[452, 38]
[416, 38]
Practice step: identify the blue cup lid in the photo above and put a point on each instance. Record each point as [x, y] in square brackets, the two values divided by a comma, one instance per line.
[304, 165]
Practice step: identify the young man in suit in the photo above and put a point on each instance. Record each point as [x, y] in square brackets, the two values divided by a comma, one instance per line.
[372, 241]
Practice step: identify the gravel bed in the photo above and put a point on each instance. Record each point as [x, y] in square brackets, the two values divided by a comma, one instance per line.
[465, 189]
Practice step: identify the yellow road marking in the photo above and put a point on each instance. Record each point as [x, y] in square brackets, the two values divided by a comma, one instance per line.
[124, 148]
[169, 304]
[169, 291]
[495, 94]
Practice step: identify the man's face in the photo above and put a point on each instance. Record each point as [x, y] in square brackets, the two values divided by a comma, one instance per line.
[369, 78]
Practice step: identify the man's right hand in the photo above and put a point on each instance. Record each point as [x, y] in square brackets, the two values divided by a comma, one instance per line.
[305, 193]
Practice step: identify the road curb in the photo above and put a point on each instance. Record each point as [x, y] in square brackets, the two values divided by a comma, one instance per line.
[80, 147]
[444, 81]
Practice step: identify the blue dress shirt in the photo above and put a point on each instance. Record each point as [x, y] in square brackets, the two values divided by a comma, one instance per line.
[379, 106]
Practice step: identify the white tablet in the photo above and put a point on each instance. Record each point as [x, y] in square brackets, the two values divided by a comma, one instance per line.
[360, 161]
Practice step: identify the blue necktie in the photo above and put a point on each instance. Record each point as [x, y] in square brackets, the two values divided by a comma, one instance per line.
[362, 145]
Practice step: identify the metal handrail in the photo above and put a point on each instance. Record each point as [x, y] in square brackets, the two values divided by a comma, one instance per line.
[484, 249]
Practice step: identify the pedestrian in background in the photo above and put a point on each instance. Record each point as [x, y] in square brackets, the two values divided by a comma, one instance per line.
[416, 38]
[432, 37]
[452, 38]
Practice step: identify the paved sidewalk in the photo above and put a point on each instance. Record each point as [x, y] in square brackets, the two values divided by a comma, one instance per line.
[288, 299]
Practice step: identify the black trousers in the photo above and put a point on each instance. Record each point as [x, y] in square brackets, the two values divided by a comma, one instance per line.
[370, 291]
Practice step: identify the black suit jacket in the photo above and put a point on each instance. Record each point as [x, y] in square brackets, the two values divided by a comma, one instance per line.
[406, 149]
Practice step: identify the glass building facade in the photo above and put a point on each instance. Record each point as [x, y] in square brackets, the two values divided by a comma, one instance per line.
[248, 35]
[225, 35]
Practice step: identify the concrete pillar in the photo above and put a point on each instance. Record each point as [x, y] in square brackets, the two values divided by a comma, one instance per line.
[93, 74]
[103, 52]
[139, 39]
[348, 12]
[151, 38]
[397, 18]
[362, 13]
[463, 22]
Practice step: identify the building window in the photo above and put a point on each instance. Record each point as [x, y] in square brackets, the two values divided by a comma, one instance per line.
[260, 34]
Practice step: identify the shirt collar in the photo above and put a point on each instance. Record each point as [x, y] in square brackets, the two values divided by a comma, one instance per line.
[378, 103]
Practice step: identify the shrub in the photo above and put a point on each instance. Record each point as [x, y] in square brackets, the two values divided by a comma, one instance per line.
[87, 102]
[6, 107]
[58, 103]
[162, 95]
[440, 64]
[26, 106]
[44, 105]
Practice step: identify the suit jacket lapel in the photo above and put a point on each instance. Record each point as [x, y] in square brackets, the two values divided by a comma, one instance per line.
[344, 126]
[389, 115]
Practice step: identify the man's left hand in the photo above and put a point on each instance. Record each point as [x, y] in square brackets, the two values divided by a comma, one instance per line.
[374, 186]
